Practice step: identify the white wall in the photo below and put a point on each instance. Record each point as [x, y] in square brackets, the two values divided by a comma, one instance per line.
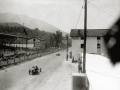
[76, 47]
[32, 40]
[103, 48]
[91, 45]
[23, 45]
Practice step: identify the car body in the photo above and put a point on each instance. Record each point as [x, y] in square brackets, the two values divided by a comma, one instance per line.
[57, 54]
[34, 70]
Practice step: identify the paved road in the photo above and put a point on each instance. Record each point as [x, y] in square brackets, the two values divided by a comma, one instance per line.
[17, 77]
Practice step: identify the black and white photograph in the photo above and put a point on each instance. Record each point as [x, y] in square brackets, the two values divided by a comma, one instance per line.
[59, 44]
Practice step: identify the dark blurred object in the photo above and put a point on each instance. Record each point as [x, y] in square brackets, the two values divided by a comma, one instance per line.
[112, 41]
[57, 54]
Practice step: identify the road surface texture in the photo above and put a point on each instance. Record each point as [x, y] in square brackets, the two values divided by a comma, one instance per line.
[61, 79]
[101, 73]
[57, 74]
[17, 77]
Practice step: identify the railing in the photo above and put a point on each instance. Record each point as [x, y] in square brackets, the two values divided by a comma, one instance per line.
[10, 60]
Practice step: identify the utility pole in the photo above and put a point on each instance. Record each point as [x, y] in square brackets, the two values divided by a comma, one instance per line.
[26, 44]
[67, 48]
[85, 30]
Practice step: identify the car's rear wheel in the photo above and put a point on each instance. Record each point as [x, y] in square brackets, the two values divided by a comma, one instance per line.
[29, 71]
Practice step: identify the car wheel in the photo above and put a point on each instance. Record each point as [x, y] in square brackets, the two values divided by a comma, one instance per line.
[29, 72]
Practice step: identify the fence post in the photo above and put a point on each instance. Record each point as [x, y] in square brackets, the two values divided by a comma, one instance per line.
[0, 63]
[19, 59]
[14, 60]
[7, 62]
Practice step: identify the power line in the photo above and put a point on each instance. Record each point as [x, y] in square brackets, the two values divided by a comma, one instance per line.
[78, 17]
[100, 8]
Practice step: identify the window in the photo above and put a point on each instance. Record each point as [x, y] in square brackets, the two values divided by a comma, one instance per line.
[82, 38]
[98, 38]
[82, 45]
[34, 39]
[98, 45]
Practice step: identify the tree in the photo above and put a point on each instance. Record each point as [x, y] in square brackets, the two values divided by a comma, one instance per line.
[58, 38]
[51, 40]
[69, 39]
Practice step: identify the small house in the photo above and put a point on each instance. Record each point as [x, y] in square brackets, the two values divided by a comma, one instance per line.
[37, 43]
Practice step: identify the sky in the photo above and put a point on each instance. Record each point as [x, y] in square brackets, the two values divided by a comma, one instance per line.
[66, 14]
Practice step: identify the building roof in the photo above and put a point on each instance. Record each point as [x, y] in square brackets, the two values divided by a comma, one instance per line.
[41, 38]
[90, 32]
[11, 35]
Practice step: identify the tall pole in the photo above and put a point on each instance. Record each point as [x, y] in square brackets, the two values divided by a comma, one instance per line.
[85, 30]
[22, 43]
[67, 48]
[26, 43]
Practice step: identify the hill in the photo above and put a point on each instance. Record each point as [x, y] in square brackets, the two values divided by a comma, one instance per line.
[28, 22]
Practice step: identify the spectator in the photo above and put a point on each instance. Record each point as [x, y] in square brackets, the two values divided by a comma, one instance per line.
[80, 67]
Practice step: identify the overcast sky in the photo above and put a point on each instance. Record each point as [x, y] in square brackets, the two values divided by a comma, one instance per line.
[64, 14]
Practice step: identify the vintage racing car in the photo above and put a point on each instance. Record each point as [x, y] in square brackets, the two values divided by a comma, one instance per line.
[57, 54]
[35, 70]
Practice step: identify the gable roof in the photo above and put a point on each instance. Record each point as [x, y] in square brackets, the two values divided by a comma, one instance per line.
[90, 32]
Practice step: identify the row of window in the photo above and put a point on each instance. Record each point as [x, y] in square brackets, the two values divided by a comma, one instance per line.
[98, 38]
[98, 45]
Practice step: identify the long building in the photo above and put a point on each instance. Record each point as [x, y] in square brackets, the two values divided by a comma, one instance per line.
[94, 43]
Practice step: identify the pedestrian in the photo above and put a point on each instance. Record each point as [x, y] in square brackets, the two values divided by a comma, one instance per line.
[40, 69]
[80, 67]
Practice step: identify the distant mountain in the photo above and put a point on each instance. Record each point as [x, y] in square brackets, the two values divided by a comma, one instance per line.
[11, 24]
[16, 20]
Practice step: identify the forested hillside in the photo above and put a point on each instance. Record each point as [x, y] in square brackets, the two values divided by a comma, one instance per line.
[52, 39]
